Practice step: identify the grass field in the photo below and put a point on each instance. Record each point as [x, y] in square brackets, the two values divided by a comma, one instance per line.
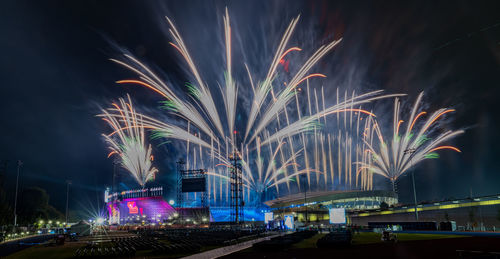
[308, 243]
[371, 237]
[368, 238]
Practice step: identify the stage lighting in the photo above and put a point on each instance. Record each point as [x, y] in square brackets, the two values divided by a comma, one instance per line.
[100, 220]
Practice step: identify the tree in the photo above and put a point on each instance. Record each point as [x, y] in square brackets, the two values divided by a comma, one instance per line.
[34, 205]
[6, 213]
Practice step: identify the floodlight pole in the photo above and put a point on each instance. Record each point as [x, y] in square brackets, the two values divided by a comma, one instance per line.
[411, 151]
[305, 204]
[68, 182]
[19, 164]
[115, 163]
[414, 193]
[305, 198]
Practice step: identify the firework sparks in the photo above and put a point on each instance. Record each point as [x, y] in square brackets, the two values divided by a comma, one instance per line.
[128, 141]
[393, 159]
[264, 130]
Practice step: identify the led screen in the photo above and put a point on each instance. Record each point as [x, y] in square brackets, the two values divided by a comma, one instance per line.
[194, 185]
[337, 216]
[288, 221]
[268, 216]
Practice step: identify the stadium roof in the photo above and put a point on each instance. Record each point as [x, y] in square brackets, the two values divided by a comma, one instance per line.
[323, 196]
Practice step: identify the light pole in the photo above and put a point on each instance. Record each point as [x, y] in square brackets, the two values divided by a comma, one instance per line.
[19, 164]
[68, 182]
[305, 197]
[115, 163]
[410, 152]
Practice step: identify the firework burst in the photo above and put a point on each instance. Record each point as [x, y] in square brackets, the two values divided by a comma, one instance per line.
[273, 139]
[393, 157]
[128, 141]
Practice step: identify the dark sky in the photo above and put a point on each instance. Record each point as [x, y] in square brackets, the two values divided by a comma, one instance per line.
[55, 72]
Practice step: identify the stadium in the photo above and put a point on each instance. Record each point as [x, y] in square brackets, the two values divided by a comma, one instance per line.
[314, 206]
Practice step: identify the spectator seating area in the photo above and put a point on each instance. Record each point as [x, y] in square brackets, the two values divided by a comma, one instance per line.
[166, 241]
[211, 237]
[94, 250]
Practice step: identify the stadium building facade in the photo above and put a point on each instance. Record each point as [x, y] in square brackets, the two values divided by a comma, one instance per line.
[314, 206]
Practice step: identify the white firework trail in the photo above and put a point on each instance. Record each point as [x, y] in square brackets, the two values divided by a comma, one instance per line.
[128, 141]
[268, 104]
[392, 159]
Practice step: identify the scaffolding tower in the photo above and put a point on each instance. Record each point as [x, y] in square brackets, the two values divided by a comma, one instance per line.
[237, 202]
[183, 174]
[180, 167]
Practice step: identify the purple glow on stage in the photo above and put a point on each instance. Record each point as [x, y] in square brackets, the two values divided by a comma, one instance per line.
[133, 210]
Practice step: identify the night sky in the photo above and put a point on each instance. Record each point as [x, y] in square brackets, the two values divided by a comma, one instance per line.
[55, 74]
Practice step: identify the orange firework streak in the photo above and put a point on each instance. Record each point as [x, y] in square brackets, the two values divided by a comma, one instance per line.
[143, 84]
[309, 76]
[175, 46]
[290, 50]
[118, 108]
[445, 147]
[439, 115]
[111, 153]
[413, 123]
[399, 124]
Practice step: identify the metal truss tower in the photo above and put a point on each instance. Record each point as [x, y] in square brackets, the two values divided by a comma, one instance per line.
[237, 202]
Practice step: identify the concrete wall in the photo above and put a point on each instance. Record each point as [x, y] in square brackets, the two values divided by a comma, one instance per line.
[470, 218]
